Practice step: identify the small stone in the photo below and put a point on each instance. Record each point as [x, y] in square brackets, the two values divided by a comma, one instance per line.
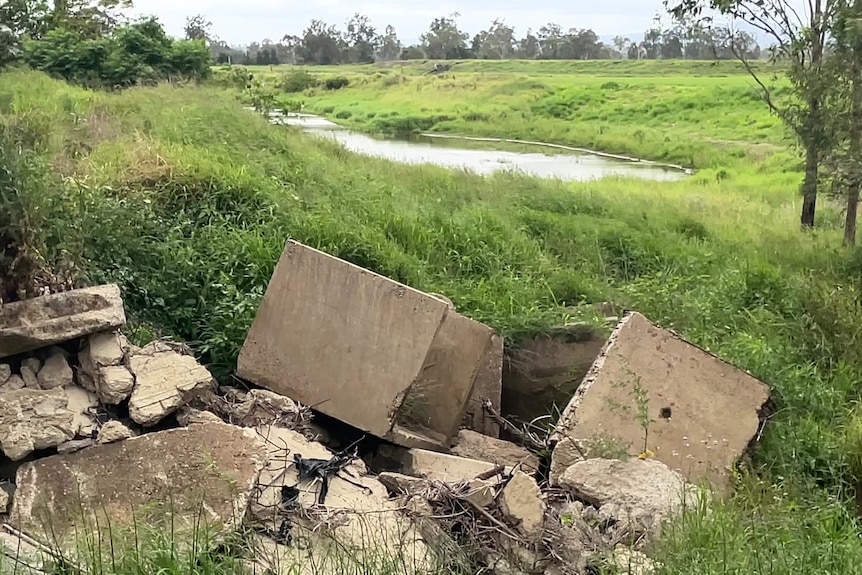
[114, 384]
[521, 500]
[404, 484]
[74, 445]
[480, 493]
[31, 380]
[81, 403]
[14, 382]
[188, 415]
[85, 380]
[4, 498]
[5, 372]
[33, 363]
[32, 419]
[114, 431]
[104, 349]
[56, 372]
[630, 562]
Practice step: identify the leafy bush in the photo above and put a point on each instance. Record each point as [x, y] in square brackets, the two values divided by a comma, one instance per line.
[344, 114]
[297, 81]
[140, 53]
[336, 83]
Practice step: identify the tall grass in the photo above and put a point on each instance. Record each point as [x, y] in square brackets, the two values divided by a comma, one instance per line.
[186, 201]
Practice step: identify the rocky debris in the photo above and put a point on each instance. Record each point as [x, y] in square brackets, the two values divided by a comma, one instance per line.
[114, 384]
[363, 371]
[627, 561]
[29, 374]
[74, 445]
[431, 464]
[101, 361]
[164, 380]
[188, 416]
[5, 373]
[51, 319]
[32, 419]
[541, 374]
[487, 387]
[304, 484]
[211, 468]
[83, 405]
[14, 382]
[114, 431]
[472, 445]
[521, 501]
[637, 494]
[703, 412]
[55, 372]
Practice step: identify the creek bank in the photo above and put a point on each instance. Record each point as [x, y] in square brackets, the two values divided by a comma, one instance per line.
[403, 457]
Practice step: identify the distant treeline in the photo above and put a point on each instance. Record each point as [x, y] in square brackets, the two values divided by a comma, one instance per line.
[360, 42]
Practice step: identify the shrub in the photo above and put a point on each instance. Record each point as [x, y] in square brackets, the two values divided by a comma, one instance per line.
[297, 81]
[343, 114]
[336, 83]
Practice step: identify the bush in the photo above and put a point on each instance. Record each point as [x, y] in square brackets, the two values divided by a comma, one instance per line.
[297, 81]
[336, 83]
[343, 114]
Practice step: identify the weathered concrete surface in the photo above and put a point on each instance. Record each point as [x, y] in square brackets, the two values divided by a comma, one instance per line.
[474, 445]
[488, 385]
[357, 509]
[432, 464]
[521, 501]
[82, 404]
[32, 419]
[164, 380]
[341, 338]
[5, 373]
[43, 321]
[703, 412]
[55, 372]
[435, 404]
[541, 375]
[640, 494]
[199, 473]
[113, 431]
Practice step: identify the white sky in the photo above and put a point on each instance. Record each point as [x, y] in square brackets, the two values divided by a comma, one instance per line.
[244, 21]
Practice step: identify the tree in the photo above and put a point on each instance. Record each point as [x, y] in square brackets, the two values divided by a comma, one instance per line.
[799, 41]
[444, 40]
[198, 28]
[528, 47]
[496, 43]
[321, 44]
[363, 42]
[390, 46]
[621, 46]
[550, 41]
[89, 18]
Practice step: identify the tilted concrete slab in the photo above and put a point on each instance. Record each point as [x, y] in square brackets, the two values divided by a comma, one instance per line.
[703, 412]
[488, 385]
[351, 344]
[202, 474]
[46, 320]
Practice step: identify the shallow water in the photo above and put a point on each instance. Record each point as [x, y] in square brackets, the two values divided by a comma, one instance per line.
[456, 153]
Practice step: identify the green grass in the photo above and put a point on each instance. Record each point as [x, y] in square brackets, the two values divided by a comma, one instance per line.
[186, 201]
[697, 114]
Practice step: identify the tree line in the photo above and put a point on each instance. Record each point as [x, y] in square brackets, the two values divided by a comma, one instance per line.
[361, 42]
[90, 43]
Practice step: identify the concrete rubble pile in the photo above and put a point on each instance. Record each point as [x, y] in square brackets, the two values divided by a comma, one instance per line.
[409, 460]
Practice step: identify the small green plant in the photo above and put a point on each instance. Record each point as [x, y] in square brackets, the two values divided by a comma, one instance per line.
[336, 83]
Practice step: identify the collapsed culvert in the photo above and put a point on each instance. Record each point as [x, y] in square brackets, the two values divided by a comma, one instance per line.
[406, 441]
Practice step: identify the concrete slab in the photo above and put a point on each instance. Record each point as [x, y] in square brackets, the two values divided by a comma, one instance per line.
[436, 401]
[199, 474]
[487, 385]
[46, 320]
[430, 464]
[702, 411]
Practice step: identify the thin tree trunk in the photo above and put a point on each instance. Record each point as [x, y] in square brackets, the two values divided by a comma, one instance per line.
[855, 148]
[852, 208]
[809, 184]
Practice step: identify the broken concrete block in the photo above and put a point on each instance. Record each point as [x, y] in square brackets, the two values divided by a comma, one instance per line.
[435, 404]
[400, 483]
[186, 476]
[164, 380]
[352, 343]
[55, 372]
[74, 445]
[32, 419]
[187, 416]
[82, 404]
[487, 386]
[114, 384]
[521, 500]
[434, 465]
[14, 382]
[47, 320]
[479, 493]
[262, 407]
[474, 445]
[33, 363]
[31, 380]
[113, 431]
[541, 375]
[627, 561]
[702, 411]
[5, 373]
[630, 489]
[366, 514]
[101, 350]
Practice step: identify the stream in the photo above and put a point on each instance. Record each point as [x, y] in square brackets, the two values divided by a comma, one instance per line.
[567, 163]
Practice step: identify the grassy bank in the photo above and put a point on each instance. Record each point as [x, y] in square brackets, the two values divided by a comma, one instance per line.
[186, 201]
[698, 114]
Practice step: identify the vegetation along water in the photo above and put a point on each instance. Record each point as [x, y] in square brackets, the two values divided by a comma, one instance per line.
[127, 156]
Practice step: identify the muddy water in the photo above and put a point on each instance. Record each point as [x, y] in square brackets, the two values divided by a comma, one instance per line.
[565, 163]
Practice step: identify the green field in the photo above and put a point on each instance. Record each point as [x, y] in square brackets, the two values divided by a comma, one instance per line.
[697, 114]
[186, 201]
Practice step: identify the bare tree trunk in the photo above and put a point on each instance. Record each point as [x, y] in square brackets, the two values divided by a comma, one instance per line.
[855, 149]
[809, 184]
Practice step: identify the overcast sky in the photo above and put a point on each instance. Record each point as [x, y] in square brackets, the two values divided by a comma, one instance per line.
[244, 21]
